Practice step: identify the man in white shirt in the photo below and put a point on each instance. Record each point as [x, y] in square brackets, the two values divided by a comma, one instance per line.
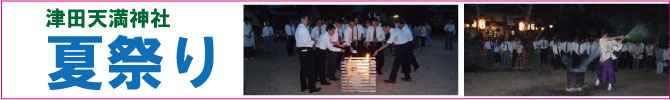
[348, 38]
[450, 28]
[400, 40]
[505, 45]
[305, 45]
[290, 39]
[336, 57]
[359, 38]
[649, 59]
[334, 52]
[544, 53]
[268, 35]
[638, 54]
[407, 31]
[429, 31]
[556, 53]
[316, 31]
[487, 49]
[627, 54]
[537, 52]
[374, 38]
[248, 41]
[321, 52]
[424, 35]
[512, 46]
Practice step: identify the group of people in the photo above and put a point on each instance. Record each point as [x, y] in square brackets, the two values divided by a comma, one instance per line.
[323, 45]
[611, 53]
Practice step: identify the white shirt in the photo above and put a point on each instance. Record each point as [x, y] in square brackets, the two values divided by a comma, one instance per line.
[408, 32]
[450, 28]
[536, 45]
[289, 30]
[302, 37]
[248, 42]
[519, 48]
[323, 45]
[563, 46]
[607, 48]
[487, 45]
[544, 44]
[424, 31]
[666, 55]
[359, 31]
[379, 34]
[348, 36]
[583, 48]
[323, 28]
[595, 47]
[628, 47]
[268, 31]
[649, 49]
[504, 45]
[511, 46]
[574, 47]
[331, 46]
[638, 49]
[397, 37]
[316, 32]
[554, 48]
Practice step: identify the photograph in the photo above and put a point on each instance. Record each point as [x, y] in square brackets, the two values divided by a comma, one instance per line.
[350, 49]
[566, 49]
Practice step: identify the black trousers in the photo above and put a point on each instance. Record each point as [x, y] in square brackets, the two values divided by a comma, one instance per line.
[320, 60]
[290, 44]
[307, 68]
[449, 42]
[333, 63]
[556, 61]
[401, 61]
[379, 59]
[423, 41]
[411, 58]
[248, 52]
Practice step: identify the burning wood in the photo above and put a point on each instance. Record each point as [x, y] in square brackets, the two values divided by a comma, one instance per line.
[359, 74]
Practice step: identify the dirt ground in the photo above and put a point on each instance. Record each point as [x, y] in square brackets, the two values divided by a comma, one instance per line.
[279, 74]
[545, 81]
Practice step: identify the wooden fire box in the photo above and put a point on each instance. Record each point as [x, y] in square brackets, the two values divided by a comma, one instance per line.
[359, 74]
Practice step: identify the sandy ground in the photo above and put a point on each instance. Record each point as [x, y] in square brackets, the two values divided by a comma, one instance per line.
[279, 74]
[479, 81]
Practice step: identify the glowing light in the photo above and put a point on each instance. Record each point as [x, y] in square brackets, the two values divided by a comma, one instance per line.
[551, 26]
[482, 24]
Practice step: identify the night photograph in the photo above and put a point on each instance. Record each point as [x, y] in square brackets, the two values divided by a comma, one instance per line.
[566, 49]
[350, 50]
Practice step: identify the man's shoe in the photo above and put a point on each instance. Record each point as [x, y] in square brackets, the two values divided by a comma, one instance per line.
[389, 81]
[406, 79]
[314, 90]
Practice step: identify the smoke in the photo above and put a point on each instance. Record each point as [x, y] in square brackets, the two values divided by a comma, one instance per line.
[583, 65]
[639, 32]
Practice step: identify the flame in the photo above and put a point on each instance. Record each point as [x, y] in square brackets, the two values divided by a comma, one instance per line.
[367, 57]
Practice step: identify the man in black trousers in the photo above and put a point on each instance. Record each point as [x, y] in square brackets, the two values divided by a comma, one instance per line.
[305, 44]
[401, 42]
